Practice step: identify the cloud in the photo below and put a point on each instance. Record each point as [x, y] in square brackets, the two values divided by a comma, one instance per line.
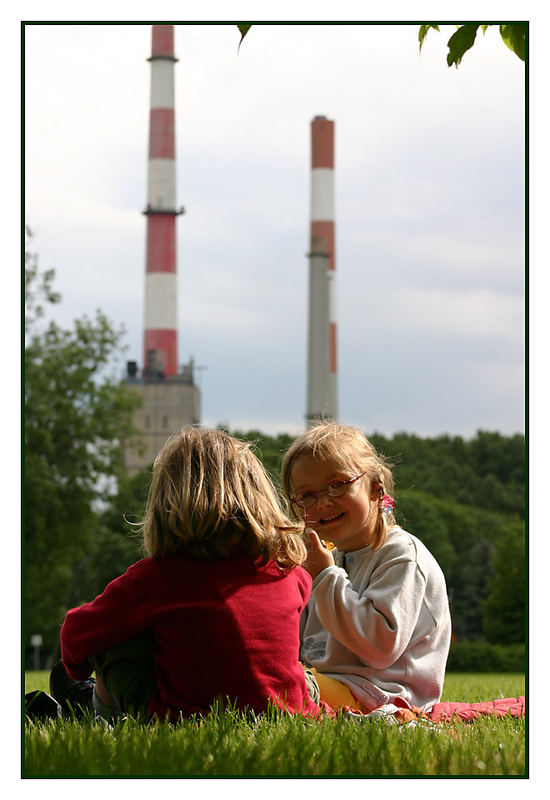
[474, 314]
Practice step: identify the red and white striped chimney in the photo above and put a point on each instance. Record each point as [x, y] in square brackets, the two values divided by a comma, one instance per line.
[160, 347]
[322, 392]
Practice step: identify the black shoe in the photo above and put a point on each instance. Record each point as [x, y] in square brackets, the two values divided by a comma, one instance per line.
[41, 706]
[74, 697]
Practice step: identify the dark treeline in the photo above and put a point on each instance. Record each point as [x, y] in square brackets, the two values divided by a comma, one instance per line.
[487, 471]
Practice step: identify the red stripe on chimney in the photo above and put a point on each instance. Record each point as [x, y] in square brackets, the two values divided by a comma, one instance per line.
[163, 40]
[322, 143]
[162, 133]
[325, 230]
[161, 243]
[164, 342]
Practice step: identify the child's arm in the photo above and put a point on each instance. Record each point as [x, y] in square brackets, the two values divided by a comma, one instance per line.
[376, 625]
[114, 616]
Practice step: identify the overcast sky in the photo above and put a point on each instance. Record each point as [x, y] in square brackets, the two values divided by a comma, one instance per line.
[430, 229]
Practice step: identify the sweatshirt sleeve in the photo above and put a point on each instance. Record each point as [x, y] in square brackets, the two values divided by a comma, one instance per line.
[377, 624]
[116, 615]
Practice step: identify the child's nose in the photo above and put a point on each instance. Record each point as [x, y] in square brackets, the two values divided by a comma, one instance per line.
[324, 499]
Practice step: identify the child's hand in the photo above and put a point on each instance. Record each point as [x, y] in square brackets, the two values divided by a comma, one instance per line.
[318, 557]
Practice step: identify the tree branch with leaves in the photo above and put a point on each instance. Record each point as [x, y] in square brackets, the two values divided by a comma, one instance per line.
[513, 35]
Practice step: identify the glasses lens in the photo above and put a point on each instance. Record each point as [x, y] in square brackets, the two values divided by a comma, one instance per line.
[337, 488]
[305, 499]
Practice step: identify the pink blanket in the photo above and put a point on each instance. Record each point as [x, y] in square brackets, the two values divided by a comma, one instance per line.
[467, 712]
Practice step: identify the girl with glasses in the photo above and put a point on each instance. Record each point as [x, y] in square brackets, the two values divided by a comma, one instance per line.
[377, 628]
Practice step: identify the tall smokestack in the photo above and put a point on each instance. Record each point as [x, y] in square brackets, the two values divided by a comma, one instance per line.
[170, 399]
[322, 389]
[160, 347]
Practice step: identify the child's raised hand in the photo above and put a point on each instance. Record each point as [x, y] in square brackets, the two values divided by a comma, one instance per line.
[318, 556]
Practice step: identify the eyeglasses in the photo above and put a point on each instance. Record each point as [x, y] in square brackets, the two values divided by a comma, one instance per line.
[334, 489]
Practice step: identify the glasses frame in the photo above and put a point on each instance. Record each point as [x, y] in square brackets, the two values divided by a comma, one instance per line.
[315, 495]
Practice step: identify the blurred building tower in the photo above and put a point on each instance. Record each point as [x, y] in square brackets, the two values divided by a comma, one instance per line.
[170, 397]
[322, 387]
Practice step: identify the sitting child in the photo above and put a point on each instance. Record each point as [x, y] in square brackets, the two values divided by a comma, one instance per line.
[377, 626]
[212, 614]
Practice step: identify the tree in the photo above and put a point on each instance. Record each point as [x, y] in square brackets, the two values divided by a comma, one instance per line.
[76, 415]
[470, 590]
[504, 608]
[119, 534]
[38, 287]
[420, 513]
[269, 449]
[487, 471]
[513, 36]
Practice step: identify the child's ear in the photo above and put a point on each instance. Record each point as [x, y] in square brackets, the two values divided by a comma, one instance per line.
[376, 491]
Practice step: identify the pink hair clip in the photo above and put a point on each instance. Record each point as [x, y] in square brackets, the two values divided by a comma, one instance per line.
[387, 504]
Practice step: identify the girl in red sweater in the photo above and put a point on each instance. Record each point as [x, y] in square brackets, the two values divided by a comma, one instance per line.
[212, 613]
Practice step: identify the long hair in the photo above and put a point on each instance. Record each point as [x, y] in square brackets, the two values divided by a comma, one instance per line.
[211, 496]
[350, 448]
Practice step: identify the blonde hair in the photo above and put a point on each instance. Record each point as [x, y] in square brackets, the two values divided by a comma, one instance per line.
[350, 448]
[211, 497]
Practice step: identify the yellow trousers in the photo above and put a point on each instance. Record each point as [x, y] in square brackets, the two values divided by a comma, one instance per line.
[335, 693]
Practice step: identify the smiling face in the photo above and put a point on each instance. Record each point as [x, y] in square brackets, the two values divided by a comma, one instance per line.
[348, 521]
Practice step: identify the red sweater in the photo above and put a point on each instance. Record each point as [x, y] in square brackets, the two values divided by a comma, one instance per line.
[220, 629]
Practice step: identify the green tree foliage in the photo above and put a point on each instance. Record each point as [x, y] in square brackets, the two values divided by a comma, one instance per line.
[464, 38]
[120, 523]
[486, 472]
[243, 28]
[513, 36]
[117, 540]
[38, 287]
[76, 416]
[504, 608]
[269, 449]
[418, 513]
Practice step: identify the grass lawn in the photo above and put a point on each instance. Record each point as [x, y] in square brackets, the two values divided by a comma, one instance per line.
[228, 745]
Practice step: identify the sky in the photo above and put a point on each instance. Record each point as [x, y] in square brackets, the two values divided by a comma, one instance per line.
[429, 211]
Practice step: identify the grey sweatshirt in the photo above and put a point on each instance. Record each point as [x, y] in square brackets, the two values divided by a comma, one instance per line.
[380, 623]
